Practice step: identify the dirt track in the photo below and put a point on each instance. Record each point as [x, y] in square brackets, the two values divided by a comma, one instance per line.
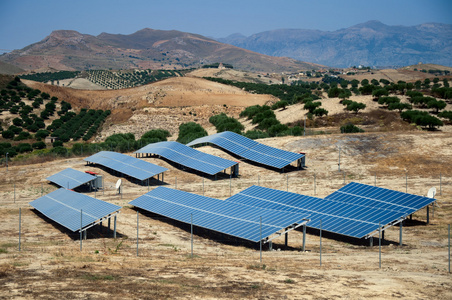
[51, 265]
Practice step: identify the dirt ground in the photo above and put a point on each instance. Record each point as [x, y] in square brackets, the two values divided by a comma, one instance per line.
[50, 264]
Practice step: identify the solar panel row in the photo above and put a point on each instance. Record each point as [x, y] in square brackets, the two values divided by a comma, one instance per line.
[64, 206]
[230, 218]
[70, 178]
[372, 196]
[249, 149]
[189, 157]
[125, 164]
[342, 218]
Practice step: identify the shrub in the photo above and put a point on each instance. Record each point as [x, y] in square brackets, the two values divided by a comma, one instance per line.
[8, 134]
[189, 132]
[39, 145]
[24, 147]
[350, 128]
[224, 123]
[256, 134]
[22, 136]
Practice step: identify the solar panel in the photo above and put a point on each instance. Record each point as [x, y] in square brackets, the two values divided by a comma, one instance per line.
[125, 164]
[342, 218]
[63, 206]
[372, 196]
[189, 157]
[70, 178]
[249, 149]
[218, 215]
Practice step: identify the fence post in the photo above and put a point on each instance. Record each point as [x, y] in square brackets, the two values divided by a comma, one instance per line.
[379, 243]
[191, 233]
[320, 242]
[81, 226]
[20, 224]
[260, 241]
[287, 182]
[137, 231]
[314, 186]
[440, 185]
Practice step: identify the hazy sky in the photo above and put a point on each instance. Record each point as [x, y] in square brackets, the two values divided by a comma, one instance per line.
[23, 22]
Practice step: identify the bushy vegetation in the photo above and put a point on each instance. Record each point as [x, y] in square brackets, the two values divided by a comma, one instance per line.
[350, 128]
[421, 118]
[190, 131]
[289, 93]
[51, 76]
[224, 123]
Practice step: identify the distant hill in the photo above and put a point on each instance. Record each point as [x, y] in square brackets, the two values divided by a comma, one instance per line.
[9, 69]
[144, 49]
[370, 44]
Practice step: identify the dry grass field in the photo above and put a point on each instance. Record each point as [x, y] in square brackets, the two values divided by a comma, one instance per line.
[391, 154]
[50, 264]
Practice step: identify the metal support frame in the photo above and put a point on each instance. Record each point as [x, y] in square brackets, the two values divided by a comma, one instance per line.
[384, 227]
[100, 221]
[286, 230]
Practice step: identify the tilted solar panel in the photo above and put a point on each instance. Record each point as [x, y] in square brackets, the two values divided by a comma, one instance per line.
[63, 206]
[189, 157]
[70, 178]
[249, 149]
[372, 196]
[218, 215]
[342, 218]
[125, 164]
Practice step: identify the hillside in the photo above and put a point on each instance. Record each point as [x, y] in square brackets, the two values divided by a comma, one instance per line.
[144, 49]
[9, 69]
[164, 104]
[371, 44]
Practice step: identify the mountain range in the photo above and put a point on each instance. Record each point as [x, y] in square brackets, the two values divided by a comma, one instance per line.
[370, 44]
[284, 50]
[144, 49]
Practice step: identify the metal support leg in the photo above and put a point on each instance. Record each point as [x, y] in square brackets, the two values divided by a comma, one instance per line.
[428, 215]
[286, 238]
[400, 234]
[114, 230]
[304, 237]
[270, 246]
[371, 241]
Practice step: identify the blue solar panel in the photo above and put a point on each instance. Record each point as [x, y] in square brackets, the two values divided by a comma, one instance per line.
[372, 196]
[63, 206]
[218, 215]
[70, 178]
[342, 218]
[125, 164]
[189, 157]
[249, 149]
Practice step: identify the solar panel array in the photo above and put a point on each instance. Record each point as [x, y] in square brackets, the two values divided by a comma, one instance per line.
[189, 157]
[70, 178]
[338, 217]
[250, 149]
[372, 196]
[125, 164]
[218, 215]
[63, 206]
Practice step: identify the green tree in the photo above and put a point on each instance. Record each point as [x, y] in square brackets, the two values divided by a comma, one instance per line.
[437, 105]
[311, 106]
[355, 106]
[399, 106]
